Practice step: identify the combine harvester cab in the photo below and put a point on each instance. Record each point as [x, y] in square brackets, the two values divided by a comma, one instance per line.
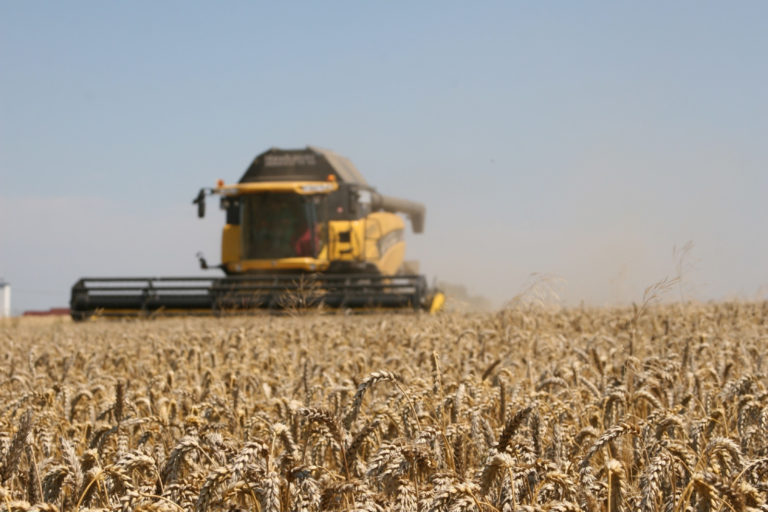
[303, 230]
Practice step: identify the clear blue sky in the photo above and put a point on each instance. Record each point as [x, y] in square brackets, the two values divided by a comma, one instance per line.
[579, 139]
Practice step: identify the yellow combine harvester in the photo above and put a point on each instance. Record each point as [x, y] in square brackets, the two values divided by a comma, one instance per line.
[303, 229]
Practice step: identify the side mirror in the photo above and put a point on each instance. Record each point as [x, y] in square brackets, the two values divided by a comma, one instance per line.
[200, 202]
[201, 259]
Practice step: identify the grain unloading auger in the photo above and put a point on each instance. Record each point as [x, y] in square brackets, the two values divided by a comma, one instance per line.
[303, 229]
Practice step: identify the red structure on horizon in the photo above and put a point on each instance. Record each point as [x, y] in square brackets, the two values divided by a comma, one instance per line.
[50, 312]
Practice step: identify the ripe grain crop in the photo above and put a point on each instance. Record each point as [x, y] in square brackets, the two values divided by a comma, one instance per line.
[522, 409]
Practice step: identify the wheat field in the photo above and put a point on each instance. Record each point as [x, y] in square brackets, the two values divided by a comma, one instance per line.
[654, 408]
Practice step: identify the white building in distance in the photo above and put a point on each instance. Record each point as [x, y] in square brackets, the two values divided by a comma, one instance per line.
[5, 299]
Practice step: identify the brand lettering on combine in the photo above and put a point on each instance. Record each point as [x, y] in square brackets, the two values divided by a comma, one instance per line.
[289, 160]
[387, 241]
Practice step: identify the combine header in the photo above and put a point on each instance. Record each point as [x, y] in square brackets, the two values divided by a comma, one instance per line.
[303, 229]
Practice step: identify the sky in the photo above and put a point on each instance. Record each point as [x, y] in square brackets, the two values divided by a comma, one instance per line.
[578, 145]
